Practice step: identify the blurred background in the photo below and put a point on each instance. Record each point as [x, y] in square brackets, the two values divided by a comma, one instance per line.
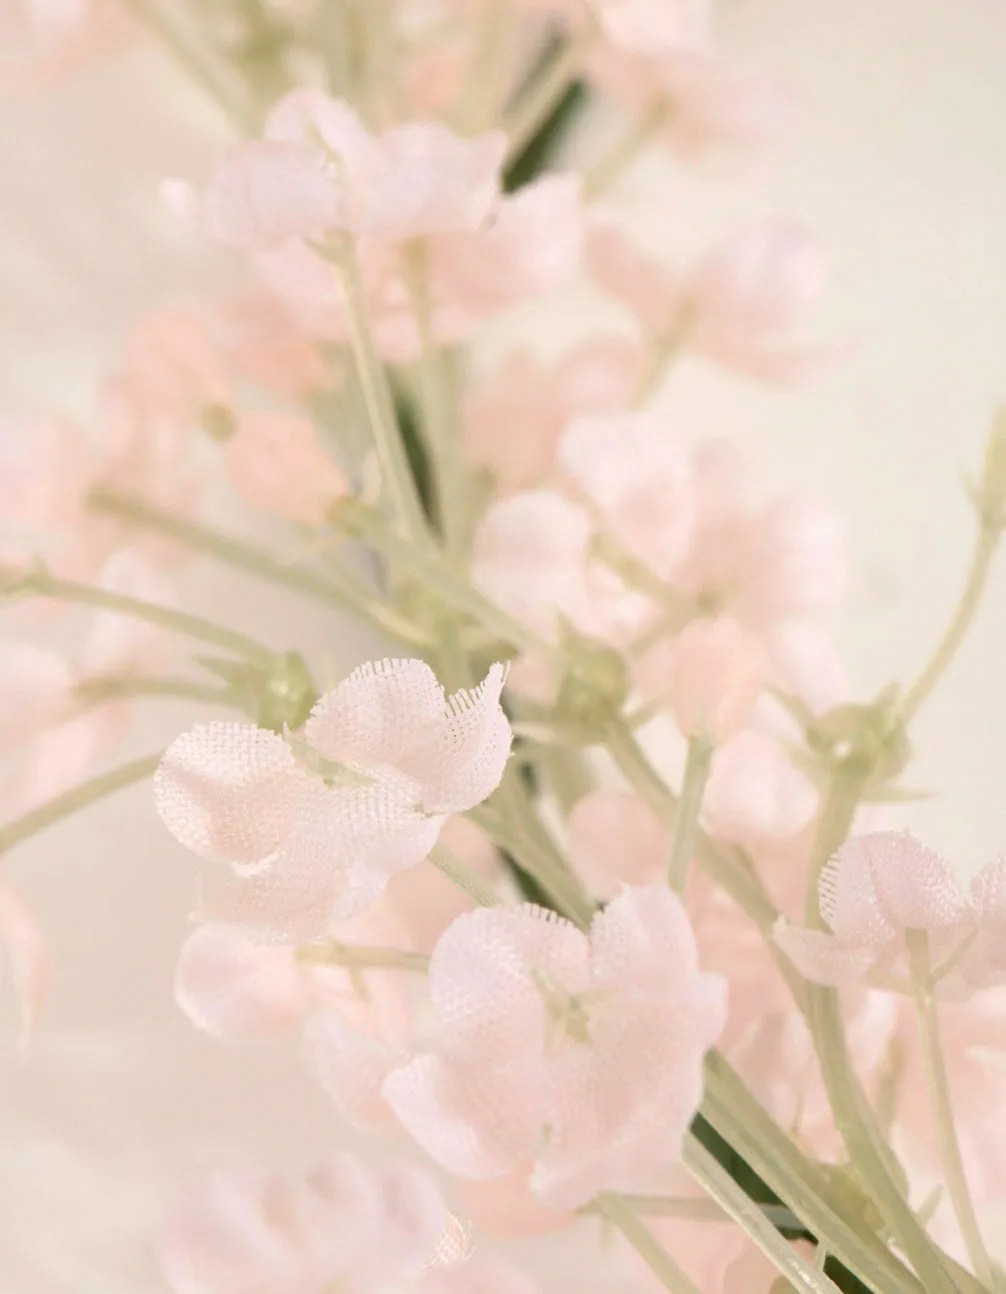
[897, 162]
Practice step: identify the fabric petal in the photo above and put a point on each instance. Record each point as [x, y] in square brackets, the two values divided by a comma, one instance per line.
[350, 1065]
[230, 792]
[823, 958]
[377, 714]
[237, 989]
[459, 759]
[483, 980]
[474, 1121]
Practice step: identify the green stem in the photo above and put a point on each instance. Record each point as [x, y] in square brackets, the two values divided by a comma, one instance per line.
[108, 687]
[538, 100]
[333, 953]
[599, 178]
[739, 1119]
[854, 1117]
[989, 535]
[686, 826]
[721, 1187]
[40, 583]
[341, 589]
[78, 797]
[191, 60]
[614, 1209]
[463, 876]
[938, 1086]
[438, 418]
[428, 569]
[397, 475]
[663, 350]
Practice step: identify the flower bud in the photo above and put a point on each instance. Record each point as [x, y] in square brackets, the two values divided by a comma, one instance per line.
[717, 673]
[276, 463]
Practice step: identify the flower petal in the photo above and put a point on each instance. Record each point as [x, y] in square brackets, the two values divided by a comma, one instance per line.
[230, 792]
[237, 989]
[823, 958]
[349, 1065]
[614, 838]
[477, 1122]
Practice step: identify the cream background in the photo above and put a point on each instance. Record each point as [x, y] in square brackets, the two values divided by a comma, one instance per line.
[897, 161]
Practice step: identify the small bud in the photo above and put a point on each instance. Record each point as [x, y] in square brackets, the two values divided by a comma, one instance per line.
[717, 674]
[288, 694]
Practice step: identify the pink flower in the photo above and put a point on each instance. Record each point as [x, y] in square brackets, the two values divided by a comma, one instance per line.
[400, 758]
[352, 1223]
[276, 463]
[505, 1207]
[616, 840]
[742, 306]
[319, 169]
[599, 1040]
[45, 470]
[874, 890]
[640, 483]
[28, 956]
[712, 106]
[755, 796]
[717, 674]
[654, 27]
[513, 421]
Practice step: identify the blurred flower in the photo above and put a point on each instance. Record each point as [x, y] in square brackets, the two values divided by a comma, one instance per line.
[717, 674]
[276, 463]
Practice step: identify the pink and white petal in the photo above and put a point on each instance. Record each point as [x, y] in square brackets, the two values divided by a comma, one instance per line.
[642, 284]
[615, 839]
[380, 826]
[413, 1224]
[886, 882]
[482, 980]
[29, 958]
[236, 989]
[506, 1207]
[434, 181]
[230, 792]
[475, 1121]
[377, 714]
[350, 1065]
[824, 958]
[228, 1237]
[644, 940]
[755, 795]
[459, 759]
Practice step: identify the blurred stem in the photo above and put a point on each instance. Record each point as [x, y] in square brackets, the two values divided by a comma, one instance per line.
[338, 588]
[541, 96]
[193, 63]
[440, 421]
[353, 957]
[989, 535]
[686, 825]
[854, 1117]
[941, 1105]
[462, 875]
[427, 567]
[107, 687]
[78, 797]
[616, 1210]
[599, 178]
[721, 1187]
[664, 349]
[40, 583]
[398, 479]
[491, 63]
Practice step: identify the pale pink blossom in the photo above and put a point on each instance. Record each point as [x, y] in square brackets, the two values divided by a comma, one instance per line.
[717, 673]
[27, 955]
[318, 169]
[712, 106]
[172, 368]
[598, 1039]
[532, 554]
[45, 469]
[875, 889]
[400, 757]
[638, 481]
[262, 344]
[615, 839]
[360, 1225]
[755, 796]
[742, 306]
[276, 462]
[654, 27]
